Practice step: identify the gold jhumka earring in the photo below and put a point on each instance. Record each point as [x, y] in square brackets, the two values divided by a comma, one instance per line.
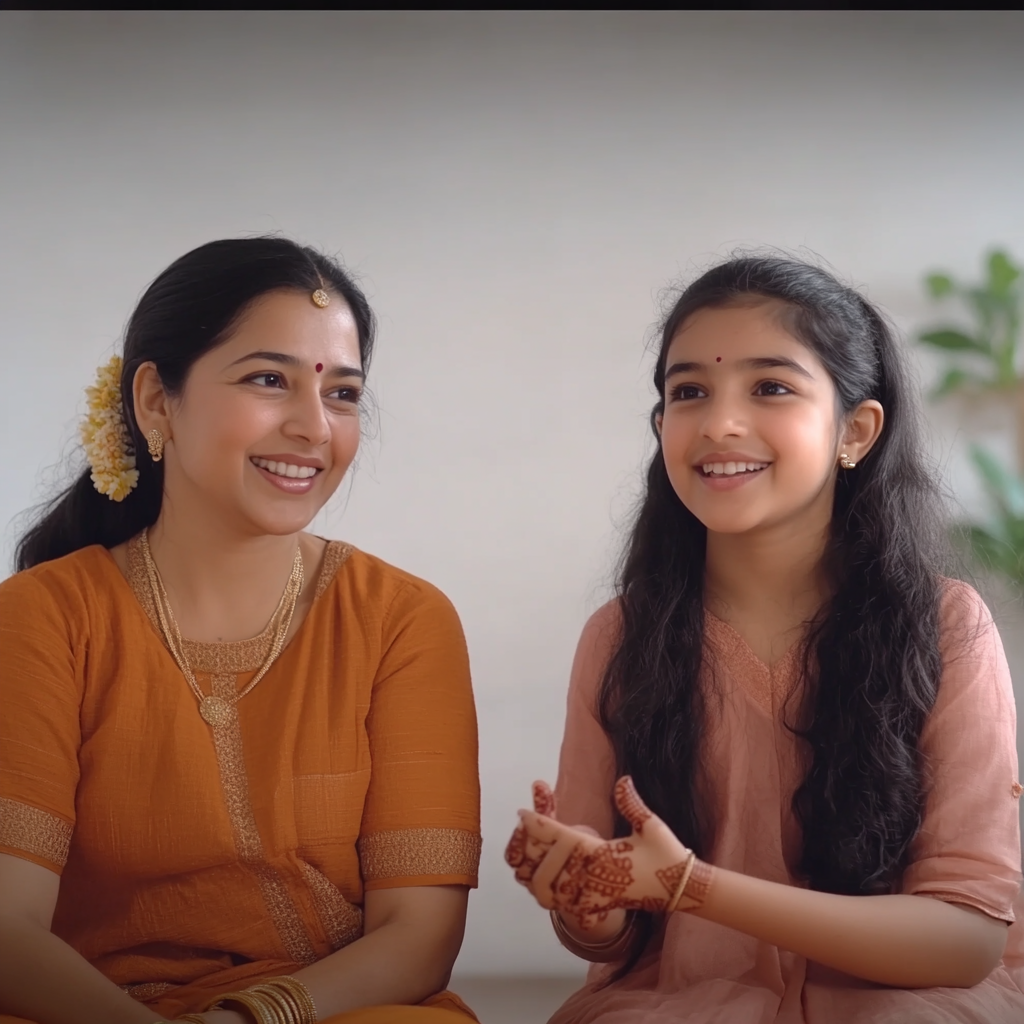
[155, 444]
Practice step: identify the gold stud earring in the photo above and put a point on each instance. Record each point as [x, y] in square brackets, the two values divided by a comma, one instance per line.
[155, 444]
[844, 461]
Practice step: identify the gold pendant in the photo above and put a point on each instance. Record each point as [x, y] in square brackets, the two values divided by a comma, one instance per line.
[215, 710]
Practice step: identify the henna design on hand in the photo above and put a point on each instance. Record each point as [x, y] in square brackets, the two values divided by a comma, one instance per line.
[543, 799]
[525, 854]
[591, 885]
[630, 805]
[671, 877]
[515, 852]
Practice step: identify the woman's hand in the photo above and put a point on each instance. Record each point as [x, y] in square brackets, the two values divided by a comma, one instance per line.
[584, 877]
[224, 1017]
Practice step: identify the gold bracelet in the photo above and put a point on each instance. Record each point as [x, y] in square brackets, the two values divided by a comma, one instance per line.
[254, 1005]
[305, 1008]
[684, 878]
[603, 952]
[278, 1002]
[283, 1000]
[693, 887]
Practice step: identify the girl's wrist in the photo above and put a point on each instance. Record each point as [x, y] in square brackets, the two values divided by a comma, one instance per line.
[693, 886]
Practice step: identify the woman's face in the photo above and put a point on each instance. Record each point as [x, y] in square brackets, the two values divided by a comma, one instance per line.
[268, 422]
[749, 432]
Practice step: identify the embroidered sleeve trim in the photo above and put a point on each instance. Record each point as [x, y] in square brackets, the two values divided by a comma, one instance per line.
[27, 828]
[412, 852]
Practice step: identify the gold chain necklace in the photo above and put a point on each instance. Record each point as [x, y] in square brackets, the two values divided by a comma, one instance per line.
[217, 710]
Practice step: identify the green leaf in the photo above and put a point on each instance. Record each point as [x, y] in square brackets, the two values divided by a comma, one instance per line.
[992, 552]
[953, 340]
[1001, 273]
[1006, 489]
[940, 285]
[954, 379]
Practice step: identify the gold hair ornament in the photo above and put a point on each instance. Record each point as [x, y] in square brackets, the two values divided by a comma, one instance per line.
[105, 437]
[846, 462]
[321, 298]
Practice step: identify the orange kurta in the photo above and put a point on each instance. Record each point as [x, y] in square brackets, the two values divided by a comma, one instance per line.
[194, 859]
[967, 850]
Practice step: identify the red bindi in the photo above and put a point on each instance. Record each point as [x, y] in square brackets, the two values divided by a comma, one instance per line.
[718, 359]
[319, 367]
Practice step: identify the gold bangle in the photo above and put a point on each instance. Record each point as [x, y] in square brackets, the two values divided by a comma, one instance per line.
[298, 994]
[603, 952]
[278, 1002]
[253, 1004]
[680, 888]
[694, 886]
[283, 1000]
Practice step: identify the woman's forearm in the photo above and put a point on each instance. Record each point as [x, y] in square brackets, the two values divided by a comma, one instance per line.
[413, 937]
[43, 979]
[386, 966]
[903, 941]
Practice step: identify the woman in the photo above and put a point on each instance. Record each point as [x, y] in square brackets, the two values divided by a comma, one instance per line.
[820, 727]
[237, 762]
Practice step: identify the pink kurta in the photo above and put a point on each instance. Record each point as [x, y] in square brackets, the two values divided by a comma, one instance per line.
[968, 849]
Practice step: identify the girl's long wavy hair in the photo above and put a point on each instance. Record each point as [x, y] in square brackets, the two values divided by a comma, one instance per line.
[872, 652]
[189, 309]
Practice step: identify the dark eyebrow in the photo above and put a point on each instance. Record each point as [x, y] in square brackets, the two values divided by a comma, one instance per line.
[286, 360]
[776, 362]
[759, 363]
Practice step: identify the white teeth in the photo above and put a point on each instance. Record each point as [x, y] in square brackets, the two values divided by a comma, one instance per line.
[288, 469]
[732, 468]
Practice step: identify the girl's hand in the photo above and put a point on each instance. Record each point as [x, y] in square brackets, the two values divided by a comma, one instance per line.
[584, 877]
[524, 852]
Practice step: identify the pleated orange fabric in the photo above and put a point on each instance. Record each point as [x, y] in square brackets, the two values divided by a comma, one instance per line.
[195, 859]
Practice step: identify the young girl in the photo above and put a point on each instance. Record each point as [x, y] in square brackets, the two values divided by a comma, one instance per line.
[238, 773]
[813, 731]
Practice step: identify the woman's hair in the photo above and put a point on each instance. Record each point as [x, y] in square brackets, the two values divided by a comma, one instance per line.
[872, 653]
[189, 309]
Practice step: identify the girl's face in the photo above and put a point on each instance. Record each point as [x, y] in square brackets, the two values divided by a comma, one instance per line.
[268, 422]
[749, 432]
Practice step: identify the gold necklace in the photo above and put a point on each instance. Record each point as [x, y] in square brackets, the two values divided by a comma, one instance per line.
[217, 710]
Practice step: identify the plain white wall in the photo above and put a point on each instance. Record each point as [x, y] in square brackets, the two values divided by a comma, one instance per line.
[514, 191]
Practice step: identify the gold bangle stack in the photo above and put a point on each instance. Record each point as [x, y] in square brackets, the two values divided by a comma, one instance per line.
[283, 1000]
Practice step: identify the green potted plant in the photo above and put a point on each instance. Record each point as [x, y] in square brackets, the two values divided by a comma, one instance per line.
[984, 359]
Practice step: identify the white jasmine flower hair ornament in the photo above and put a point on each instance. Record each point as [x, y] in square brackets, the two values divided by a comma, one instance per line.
[105, 437]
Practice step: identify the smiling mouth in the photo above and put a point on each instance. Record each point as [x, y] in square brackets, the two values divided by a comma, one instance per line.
[732, 468]
[286, 469]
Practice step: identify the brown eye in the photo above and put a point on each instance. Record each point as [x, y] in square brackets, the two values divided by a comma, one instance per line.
[772, 387]
[268, 380]
[346, 394]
